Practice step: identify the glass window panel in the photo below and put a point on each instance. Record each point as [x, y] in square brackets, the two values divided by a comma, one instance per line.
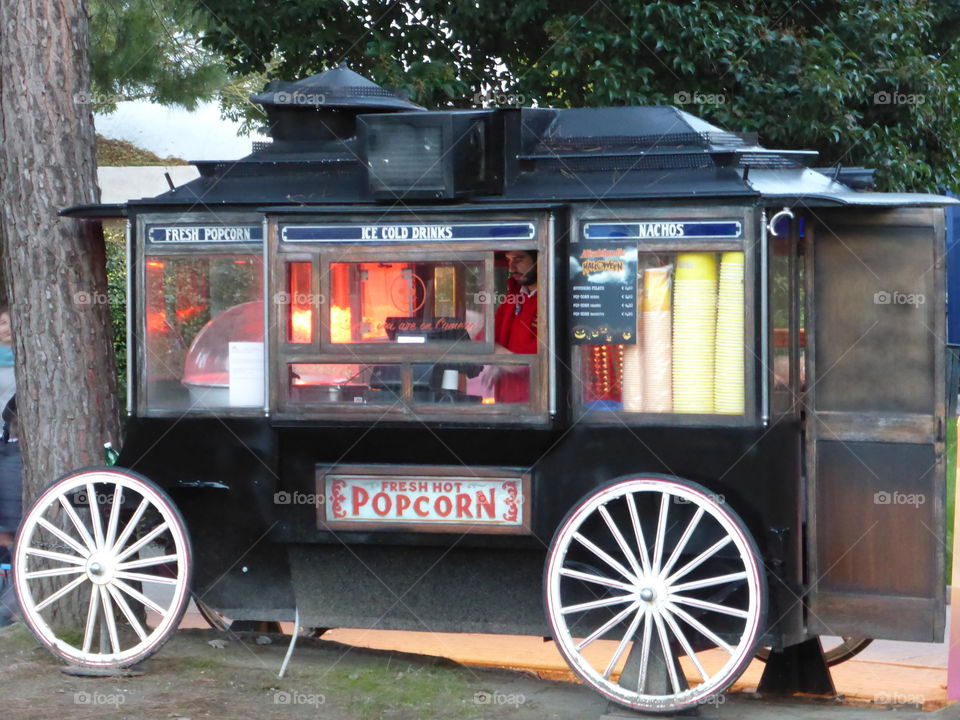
[689, 354]
[204, 332]
[353, 383]
[299, 305]
[413, 302]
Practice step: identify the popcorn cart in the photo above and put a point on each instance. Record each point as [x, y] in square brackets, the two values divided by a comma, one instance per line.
[726, 435]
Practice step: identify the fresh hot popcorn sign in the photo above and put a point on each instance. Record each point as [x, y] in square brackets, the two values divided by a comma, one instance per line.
[446, 502]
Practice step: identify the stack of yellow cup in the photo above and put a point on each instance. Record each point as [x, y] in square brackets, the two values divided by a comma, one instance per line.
[657, 342]
[729, 372]
[694, 332]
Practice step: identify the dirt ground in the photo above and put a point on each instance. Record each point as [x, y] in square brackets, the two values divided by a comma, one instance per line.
[190, 679]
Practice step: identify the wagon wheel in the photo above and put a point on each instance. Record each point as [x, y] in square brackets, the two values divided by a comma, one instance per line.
[847, 648]
[113, 542]
[648, 618]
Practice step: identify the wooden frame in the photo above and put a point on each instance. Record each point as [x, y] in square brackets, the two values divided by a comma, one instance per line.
[747, 244]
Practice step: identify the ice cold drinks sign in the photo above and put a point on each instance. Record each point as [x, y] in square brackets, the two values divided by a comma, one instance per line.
[434, 501]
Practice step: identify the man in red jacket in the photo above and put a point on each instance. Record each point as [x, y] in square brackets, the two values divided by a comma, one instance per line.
[515, 328]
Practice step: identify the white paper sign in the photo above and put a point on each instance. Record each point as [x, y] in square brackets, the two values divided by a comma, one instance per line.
[246, 374]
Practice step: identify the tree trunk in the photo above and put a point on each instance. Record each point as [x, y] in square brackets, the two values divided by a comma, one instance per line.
[54, 267]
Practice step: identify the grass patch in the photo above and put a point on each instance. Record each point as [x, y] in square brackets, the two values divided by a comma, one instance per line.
[200, 663]
[17, 638]
[384, 689]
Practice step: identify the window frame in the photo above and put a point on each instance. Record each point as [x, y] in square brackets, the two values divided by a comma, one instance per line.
[322, 350]
[749, 219]
[137, 302]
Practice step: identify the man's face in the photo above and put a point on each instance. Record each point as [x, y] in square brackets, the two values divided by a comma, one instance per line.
[520, 264]
[6, 333]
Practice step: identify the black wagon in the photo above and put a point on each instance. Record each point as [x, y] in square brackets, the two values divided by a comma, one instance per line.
[726, 432]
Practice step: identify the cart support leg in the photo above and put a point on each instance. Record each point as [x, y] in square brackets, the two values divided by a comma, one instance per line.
[799, 668]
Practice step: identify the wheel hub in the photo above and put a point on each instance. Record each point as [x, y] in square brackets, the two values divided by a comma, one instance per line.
[100, 568]
[648, 594]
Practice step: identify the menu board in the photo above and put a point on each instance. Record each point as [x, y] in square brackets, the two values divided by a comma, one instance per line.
[603, 299]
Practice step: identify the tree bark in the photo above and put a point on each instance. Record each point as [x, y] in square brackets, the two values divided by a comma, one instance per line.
[54, 267]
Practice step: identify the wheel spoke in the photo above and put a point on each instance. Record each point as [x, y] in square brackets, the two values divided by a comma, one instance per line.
[147, 562]
[605, 557]
[69, 587]
[598, 579]
[77, 523]
[131, 524]
[50, 555]
[141, 577]
[606, 626]
[62, 536]
[595, 604]
[621, 541]
[703, 604]
[127, 612]
[699, 627]
[645, 652]
[684, 643]
[140, 597]
[638, 533]
[682, 542]
[661, 532]
[91, 626]
[667, 654]
[709, 582]
[627, 638]
[95, 515]
[114, 520]
[142, 542]
[111, 621]
[700, 559]
[53, 572]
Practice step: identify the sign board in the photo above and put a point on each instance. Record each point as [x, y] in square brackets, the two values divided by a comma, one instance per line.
[205, 233]
[603, 297]
[414, 232]
[388, 498]
[664, 230]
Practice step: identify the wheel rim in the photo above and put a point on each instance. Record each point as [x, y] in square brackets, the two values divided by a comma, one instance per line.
[655, 567]
[123, 548]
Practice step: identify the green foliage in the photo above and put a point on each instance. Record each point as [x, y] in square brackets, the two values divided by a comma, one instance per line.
[117, 295]
[865, 83]
[140, 49]
[125, 154]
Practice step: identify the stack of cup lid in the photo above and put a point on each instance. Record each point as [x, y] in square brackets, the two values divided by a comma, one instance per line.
[729, 369]
[694, 332]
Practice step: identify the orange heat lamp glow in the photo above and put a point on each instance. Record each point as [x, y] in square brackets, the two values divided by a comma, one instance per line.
[157, 322]
[340, 324]
[155, 264]
[184, 314]
[489, 401]
[301, 325]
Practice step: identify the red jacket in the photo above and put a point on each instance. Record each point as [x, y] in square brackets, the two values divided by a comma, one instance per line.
[515, 328]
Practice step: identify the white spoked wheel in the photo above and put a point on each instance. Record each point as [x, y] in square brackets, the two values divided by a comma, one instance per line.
[655, 593]
[113, 542]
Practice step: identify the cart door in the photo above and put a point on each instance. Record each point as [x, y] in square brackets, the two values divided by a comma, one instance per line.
[875, 399]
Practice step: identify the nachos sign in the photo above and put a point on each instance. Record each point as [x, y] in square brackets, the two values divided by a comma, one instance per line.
[438, 503]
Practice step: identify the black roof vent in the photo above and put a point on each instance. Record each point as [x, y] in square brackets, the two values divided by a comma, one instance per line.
[319, 113]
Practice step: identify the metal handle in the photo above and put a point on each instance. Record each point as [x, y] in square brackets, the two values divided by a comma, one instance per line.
[771, 226]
